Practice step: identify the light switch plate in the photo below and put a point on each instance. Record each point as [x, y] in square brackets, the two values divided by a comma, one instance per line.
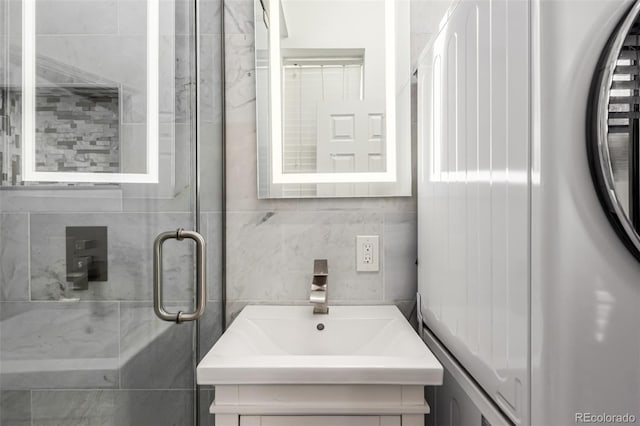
[367, 253]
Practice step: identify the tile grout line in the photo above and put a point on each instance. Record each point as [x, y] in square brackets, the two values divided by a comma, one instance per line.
[31, 406]
[29, 256]
[119, 345]
[381, 257]
[182, 390]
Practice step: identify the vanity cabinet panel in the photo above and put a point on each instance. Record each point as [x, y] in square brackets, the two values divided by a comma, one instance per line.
[320, 420]
[319, 405]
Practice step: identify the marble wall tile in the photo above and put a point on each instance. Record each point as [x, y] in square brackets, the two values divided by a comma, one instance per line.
[386, 204]
[130, 242]
[81, 408]
[14, 15]
[240, 81]
[154, 408]
[133, 148]
[15, 408]
[211, 167]
[241, 173]
[210, 62]
[174, 190]
[240, 128]
[210, 17]
[183, 77]
[170, 49]
[210, 90]
[113, 408]
[270, 256]
[210, 78]
[106, 199]
[183, 14]
[132, 17]
[4, 49]
[14, 257]
[59, 345]
[102, 57]
[134, 105]
[99, 59]
[331, 235]
[79, 17]
[212, 231]
[255, 256]
[400, 253]
[154, 354]
[238, 17]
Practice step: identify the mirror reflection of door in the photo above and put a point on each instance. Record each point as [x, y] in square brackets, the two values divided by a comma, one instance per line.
[332, 80]
[350, 139]
[332, 98]
[313, 80]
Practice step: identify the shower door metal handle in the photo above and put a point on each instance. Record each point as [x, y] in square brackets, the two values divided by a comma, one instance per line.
[201, 285]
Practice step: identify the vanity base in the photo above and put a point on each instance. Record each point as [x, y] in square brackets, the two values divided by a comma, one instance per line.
[326, 405]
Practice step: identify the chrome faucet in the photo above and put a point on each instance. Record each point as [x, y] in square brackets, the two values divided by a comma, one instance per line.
[318, 294]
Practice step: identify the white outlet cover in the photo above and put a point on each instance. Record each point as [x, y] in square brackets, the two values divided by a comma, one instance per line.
[367, 260]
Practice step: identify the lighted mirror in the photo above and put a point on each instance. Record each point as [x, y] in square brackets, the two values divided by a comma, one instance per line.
[333, 93]
[82, 121]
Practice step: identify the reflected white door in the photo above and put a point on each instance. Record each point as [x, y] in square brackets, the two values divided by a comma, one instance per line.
[350, 139]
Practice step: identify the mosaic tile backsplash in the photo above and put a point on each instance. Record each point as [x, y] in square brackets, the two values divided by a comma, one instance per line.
[77, 130]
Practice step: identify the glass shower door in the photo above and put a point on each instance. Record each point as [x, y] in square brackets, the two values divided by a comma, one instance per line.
[98, 124]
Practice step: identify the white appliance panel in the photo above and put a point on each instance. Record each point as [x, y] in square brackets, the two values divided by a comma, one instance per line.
[473, 194]
[585, 285]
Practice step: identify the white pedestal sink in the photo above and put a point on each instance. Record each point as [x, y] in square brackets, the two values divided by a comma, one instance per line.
[283, 365]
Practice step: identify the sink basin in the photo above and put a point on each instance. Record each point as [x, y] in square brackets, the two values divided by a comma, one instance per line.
[291, 345]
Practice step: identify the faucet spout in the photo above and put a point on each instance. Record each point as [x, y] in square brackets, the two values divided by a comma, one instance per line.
[318, 295]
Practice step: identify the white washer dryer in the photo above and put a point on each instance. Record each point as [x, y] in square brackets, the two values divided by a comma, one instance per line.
[523, 280]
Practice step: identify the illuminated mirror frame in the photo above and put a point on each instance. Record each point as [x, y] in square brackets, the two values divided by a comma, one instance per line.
[29, 85]
[275, 82]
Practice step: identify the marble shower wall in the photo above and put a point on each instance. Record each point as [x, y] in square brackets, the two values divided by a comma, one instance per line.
[101, 357]
[271, 244]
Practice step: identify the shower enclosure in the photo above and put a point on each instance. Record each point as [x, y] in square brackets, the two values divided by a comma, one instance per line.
[110, 134]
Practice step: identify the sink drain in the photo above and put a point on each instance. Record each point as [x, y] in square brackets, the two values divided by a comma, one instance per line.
[320, 326]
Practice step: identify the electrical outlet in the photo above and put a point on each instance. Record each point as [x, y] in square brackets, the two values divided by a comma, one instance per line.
[367, 253]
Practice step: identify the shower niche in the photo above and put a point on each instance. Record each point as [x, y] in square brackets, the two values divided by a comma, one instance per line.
[77, 130]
